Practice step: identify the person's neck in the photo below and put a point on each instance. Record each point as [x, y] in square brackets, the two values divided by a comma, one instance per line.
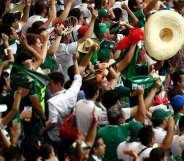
[58, 90]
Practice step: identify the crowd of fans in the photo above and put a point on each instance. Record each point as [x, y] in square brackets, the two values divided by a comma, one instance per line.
[77, 84]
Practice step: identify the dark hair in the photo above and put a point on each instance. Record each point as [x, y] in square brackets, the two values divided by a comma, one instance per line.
[114, 114]
[132, 4]
[40, 7]
[13, 153]
[75, 12]
[118, 13]
[181, 124]
[71, 72]
[30, 147]
[176, 75]
[157, 154]
[90, 88]
[57, 77]
[5, 29]
[22, 56]
[109, 98]
[36, 28]
[178, 5]
[145, 135]
[45, 151]
[95, 145]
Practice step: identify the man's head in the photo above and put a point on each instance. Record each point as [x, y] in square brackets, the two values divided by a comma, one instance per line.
[179, 6]
[91, 89]
[75, 12]
[41, 8]
[115, 115]
[98, 148]
[134, 5]
[178, 77]
[159, 117]
[9, 31]
[56, 82]
[147, 136]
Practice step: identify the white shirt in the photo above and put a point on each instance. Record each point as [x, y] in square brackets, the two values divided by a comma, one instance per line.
[126, 146]
[84, 110]
[61, 105]
[32, 20]
[160, 134]
[64, 56]
[83, 113]
[177, 145]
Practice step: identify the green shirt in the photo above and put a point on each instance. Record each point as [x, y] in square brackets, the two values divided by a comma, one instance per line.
[113, 135]
[141, 17]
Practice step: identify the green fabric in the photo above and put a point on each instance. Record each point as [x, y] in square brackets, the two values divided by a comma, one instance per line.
[93, 59]
[130, 71]
[115, 28]
[102, 13]
[177, 117]
[134, 128]
[33, 80]
[113, 136]
[104, 26]
[139, 14]
[49, 63]
[91, 159]
[160, 114]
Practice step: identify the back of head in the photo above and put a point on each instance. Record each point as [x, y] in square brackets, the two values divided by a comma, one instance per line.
[109, 98]
[75, 12]
[146, 135]
[45, 151]
[40, 8]
[181, 124]
[90, 88]
[178, 6]
[57, 77]
[176, 75]
[132, 4]
[118, 13]
[157, 154]
[114, 114]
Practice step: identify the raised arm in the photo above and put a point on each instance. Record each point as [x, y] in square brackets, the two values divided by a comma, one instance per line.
[26, 11]
[127, 59]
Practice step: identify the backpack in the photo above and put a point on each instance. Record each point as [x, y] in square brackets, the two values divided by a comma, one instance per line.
[68, 129]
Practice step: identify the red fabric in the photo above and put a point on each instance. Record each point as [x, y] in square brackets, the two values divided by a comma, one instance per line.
[68, 129]
[161, 99]
[135, 36]
[82, 30]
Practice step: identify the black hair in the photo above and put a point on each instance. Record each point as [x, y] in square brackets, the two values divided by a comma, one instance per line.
[45, 151]
[114, 114]
[22, 56]
[176, 75]
[71, 72]
[36, 28]
[181, 124]
[5, 29]
[132, 4]
[40, 8]
[146, 135]
[30, 147]
[109, 98]
[57, 77]
[13, 153]
[95, 145]
[118, 13]
[90, 88]
[157, 154]
[75, 12]
[178, 5]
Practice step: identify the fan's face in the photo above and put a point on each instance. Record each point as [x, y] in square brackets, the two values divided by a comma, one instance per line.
[140, 4]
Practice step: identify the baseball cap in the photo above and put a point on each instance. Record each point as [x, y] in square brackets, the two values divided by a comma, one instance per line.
[73, 147]
[177, 102]
[159, 115]
[9, 18]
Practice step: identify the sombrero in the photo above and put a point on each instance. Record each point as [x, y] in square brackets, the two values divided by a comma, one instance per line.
[84, 46]
[164, 32]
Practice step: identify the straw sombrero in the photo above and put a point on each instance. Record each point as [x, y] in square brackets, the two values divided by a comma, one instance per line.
[164, 34]
[84, 46]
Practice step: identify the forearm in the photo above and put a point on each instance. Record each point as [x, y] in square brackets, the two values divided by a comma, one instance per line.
[44, 50]
[141, 111]
[4, 139]
[90, 138]
[149, 99]
[127, 59]
[49, 127]
[15, 107]
[54, 46]
[26, 13]
[85, 61]
[133, 17]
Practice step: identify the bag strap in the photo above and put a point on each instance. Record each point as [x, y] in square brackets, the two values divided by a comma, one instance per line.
[142, 151]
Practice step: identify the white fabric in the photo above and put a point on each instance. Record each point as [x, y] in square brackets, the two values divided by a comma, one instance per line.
[96, 158]
[32, 20]
[176, 147]
[83, 112]
[126, 146]
[160, 134]
[137, 147]
[64, 56]
[61, 105]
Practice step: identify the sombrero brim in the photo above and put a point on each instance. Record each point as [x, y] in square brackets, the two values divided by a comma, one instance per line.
[164, 32]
